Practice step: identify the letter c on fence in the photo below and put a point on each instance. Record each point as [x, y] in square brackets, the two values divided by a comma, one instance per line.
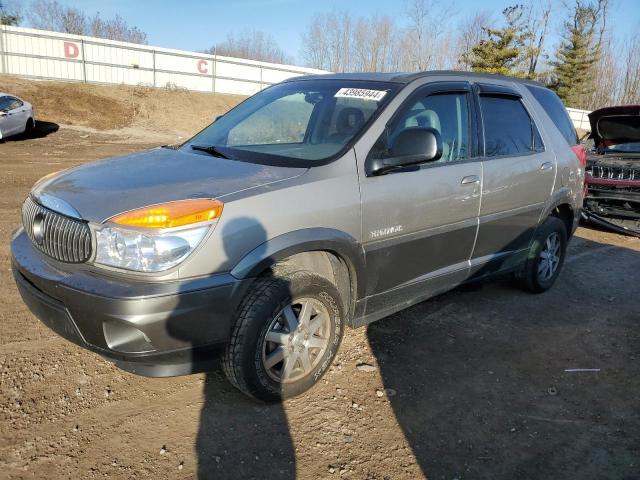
[202, 66]
[71, 50]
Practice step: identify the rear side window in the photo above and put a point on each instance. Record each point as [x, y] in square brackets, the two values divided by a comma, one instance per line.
[508, 128]
[556, 111]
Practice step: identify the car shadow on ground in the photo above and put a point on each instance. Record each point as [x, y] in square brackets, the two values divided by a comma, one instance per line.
[477, 381]
[40, 130]
[238, 437]
[241, 438]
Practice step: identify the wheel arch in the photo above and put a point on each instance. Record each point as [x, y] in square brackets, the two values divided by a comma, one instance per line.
[331, 253]
[561, 205]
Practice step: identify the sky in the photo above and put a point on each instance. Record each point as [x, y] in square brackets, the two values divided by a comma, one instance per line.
[198, 24]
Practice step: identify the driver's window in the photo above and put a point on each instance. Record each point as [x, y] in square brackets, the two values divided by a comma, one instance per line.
[16, 104]
[5, 103]
[448, 114]
[283, 121]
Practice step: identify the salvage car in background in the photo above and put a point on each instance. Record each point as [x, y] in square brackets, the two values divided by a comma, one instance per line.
[16, 116]
[613, 170]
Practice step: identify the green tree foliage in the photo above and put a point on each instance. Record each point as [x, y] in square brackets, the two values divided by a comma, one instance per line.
[501, 50]
[578, 54]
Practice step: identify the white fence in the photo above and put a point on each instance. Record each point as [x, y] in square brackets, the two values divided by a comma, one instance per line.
[57, 56]
[579, 118]
[50, 55]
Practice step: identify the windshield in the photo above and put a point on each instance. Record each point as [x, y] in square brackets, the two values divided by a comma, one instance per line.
[305, 120]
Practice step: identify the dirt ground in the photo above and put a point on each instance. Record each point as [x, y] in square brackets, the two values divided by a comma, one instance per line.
[472, 384]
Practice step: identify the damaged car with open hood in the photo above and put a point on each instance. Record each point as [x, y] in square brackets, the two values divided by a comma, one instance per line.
[612, 179]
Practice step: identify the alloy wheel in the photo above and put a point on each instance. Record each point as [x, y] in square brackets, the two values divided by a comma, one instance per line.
[549, 257]
[296, 340]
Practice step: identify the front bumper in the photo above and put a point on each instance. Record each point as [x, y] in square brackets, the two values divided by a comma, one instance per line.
[613, 204]
[148, 328]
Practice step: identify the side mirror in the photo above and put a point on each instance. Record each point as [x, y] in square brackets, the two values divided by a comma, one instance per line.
[411, 147]
[216, 118]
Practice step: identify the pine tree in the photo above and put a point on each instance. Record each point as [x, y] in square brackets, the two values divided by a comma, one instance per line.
[501, 51]
[577, 55]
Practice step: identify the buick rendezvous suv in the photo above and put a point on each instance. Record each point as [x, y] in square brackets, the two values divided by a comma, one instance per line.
[320, 203]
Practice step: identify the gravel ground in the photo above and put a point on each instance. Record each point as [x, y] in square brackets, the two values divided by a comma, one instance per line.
[473, 384]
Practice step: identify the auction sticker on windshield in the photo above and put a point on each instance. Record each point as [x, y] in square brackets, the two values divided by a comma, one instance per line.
[362, 93]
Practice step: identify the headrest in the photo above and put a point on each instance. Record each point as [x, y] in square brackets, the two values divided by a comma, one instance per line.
[349, 120]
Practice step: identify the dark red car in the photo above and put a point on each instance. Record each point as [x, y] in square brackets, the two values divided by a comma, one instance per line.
[612, 179]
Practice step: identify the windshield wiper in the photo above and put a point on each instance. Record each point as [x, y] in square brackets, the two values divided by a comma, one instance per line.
[211, 150]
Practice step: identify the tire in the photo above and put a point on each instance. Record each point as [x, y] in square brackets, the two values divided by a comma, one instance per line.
[29, 127]
[262, 334]
[539, 274]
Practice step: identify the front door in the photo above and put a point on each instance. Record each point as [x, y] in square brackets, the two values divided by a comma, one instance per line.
[420, 223]
[15, 119]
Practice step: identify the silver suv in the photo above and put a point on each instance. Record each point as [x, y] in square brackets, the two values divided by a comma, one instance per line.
[319, 203]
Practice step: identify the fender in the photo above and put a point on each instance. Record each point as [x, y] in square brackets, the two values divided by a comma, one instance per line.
[562, 196]
[298, 241]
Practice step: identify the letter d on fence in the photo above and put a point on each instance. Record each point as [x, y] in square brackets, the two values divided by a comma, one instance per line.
[71, 50]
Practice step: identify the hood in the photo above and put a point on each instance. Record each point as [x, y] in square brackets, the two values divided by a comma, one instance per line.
[615, 125]
[100, 190]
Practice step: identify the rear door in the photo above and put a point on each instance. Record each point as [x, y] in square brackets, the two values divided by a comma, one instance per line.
[419, 223]
[518, 177]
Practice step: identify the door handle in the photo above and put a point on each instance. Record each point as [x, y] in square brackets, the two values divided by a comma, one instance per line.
[470, 180]
[546, 166]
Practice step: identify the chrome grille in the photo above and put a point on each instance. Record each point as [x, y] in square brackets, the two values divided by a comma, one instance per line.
[58, 236]
[610, 172]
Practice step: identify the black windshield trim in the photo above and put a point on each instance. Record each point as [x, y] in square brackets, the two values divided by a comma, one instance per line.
[293, 162]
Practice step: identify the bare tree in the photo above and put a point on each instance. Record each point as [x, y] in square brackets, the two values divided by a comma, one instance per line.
[327, 41]
[315, 47]
[115, 29]
[336, 42]
[537, 26]
[471, 31]
[605, 77]
[630, 73]
[253, 45]
[429, 46]
[373, 44]
[51, 15]
[10, 13]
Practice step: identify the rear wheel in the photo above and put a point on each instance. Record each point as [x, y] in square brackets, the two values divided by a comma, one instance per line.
[286, 335]
[545, 257]
[29, 127]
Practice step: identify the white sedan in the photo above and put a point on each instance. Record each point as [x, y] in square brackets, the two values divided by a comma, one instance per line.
[16, 116]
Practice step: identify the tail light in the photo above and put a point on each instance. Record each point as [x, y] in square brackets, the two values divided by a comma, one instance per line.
[581, 153]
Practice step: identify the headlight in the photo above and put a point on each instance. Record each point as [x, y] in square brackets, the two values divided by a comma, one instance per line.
[145, 252]
[155, 238]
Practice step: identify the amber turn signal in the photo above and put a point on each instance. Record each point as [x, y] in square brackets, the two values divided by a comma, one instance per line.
[171, 214]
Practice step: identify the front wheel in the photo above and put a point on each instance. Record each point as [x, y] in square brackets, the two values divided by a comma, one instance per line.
[286, 335]
[545, 257]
